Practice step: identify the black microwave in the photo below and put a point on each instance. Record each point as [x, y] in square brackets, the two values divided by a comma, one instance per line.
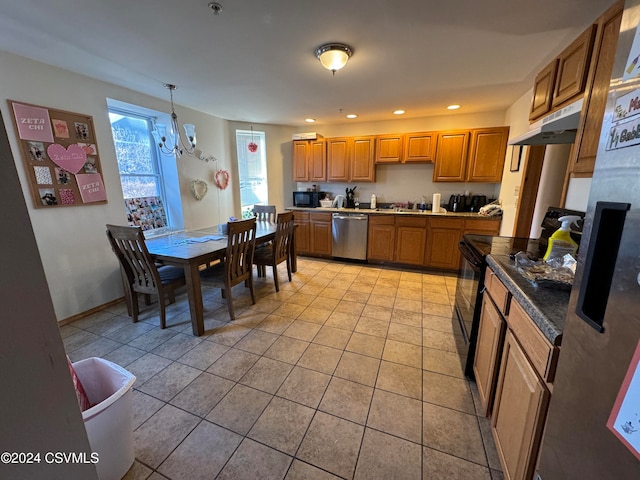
[308, 199]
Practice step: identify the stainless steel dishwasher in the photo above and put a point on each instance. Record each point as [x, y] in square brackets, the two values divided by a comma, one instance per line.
[349, 233]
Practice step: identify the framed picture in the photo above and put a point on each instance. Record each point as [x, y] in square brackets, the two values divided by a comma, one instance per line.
[516, 155]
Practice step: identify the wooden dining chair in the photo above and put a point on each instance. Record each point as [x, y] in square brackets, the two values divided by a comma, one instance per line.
[140, 274]
[279, 250]
[265, 213]
[237, 265]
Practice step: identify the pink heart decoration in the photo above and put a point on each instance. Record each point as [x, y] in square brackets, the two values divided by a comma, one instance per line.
[72, 159]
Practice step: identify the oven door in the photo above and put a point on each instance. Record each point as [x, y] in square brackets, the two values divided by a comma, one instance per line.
[466, 315]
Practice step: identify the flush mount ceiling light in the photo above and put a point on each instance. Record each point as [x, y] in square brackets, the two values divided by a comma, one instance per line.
[453, 107]
[333, 56]
[179, 146]
[398, 112]
[310, 120]
[352, 115]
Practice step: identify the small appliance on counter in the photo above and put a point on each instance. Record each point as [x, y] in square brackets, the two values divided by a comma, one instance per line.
[477, 202]
[308, 199]
[457, 203]
[351, 197]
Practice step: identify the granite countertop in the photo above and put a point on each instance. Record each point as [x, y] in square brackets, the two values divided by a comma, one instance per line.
[547, 307]
[391, 211]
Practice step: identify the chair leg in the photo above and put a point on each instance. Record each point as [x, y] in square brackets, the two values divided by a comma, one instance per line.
[289, 268]
[252, 290]
[135, 308]
[232, 312]
[275, 277]
[163, 311]
[171, 293]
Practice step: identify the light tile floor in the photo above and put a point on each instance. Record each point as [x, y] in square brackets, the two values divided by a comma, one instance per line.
[350, 371]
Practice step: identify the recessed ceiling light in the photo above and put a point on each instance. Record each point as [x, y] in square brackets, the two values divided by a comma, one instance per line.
[352, 115]
[310, 120]
[453, 107]
[398, 112]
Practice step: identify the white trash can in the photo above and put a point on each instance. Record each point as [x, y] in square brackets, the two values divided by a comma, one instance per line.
[109, 423]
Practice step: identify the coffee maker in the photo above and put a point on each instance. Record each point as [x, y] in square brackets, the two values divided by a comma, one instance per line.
[351, 202]
[457, 203]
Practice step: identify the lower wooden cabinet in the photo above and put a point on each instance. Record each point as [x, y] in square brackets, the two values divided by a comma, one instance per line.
[302, 239]
[519, 412]
[443, 236]
[381, 238]
[411, 238]
[320, 234]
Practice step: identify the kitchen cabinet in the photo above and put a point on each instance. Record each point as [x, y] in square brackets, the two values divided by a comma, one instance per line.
[411, 238]
[487, 154]
[389, 148]
[309, 161]
[451, 156]
[419, 147]
[302, 238]
[320, 234]
[573, 66]
[543, 90]
[443, 236]
[495, 307]
[564, 79]
[519, 413]
[381, 238]
[350, 159]
[482, 226]
[588, 134]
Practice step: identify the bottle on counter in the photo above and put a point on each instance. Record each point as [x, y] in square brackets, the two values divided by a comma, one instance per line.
[373, 201]
[423, 204]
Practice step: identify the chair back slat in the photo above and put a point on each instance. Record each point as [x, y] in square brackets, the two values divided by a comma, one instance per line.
[265, 213]
[240, 248]
[283, 237]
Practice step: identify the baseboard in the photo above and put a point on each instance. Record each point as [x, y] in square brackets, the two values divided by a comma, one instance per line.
[79, 316]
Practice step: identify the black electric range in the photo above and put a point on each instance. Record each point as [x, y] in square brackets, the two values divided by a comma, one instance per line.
[470, 283]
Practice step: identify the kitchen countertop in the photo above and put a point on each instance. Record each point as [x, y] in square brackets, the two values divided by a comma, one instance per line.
[546, 307]
[391, 211]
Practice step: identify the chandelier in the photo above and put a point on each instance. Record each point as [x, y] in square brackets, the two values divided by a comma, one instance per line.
[179, 146]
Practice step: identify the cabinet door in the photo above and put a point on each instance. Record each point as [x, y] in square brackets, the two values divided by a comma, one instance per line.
[482, 226]
[573, 66]
[442, 248]
[420, 147]
[488, 349]
[300, 165]
[543, 90]
[302, 239]
[317, 161]
[338, 156]
[320, 232]
[362, 164]
[389, 148]
[411, 239]
[451, 157]
[519, 412]
[381, 238]
[486, 156]
[588, 136]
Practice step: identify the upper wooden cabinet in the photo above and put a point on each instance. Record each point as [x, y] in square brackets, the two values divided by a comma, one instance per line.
[309, 161]
[471, 156]
[419, 147]
[389, 148]
[543, 90]
[604, 49]
[573, 67]
[487, 153]
[451, 156]
[350, 159]
[565, 78]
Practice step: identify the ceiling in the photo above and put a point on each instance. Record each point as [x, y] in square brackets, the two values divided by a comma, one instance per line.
[255, 61]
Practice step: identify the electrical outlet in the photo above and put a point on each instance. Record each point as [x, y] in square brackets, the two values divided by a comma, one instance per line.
[516, 191]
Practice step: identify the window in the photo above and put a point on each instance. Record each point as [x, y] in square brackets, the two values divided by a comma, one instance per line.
[140, 174]
[252, 170]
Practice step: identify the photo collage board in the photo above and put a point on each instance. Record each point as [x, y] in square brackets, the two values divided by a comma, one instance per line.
[60, 156]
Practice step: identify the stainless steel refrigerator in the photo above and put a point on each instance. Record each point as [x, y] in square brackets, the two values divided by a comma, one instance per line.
[593, 425]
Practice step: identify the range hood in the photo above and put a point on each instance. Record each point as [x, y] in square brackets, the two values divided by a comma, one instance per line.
[557, 127]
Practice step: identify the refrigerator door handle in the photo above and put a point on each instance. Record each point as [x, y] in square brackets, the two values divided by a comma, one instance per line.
[600, 262]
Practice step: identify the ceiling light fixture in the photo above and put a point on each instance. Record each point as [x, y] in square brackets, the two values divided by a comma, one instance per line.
[453, 107]
[179, 147]
[333, 56]
[352, 115]
[398, 112]
[310, 120]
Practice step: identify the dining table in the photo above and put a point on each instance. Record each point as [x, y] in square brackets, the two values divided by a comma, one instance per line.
[193, 249]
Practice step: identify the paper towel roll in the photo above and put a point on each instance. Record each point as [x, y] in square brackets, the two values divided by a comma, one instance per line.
[435, 205]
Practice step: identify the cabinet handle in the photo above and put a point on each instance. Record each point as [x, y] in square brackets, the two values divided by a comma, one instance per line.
[600, 262]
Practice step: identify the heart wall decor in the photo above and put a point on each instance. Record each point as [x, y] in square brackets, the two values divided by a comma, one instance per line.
[222, 179]
[71, 159]
[199, 189]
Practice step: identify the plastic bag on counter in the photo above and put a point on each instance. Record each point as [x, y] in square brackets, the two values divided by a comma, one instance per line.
[557, 274]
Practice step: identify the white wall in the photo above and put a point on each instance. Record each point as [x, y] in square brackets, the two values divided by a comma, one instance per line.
[517, 117]
[81, 271]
